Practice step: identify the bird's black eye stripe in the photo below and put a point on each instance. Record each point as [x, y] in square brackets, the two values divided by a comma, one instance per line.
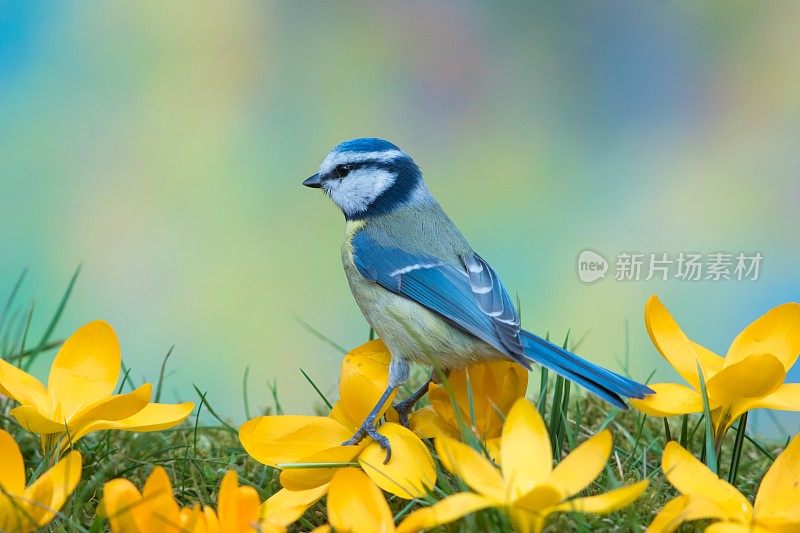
[342, 170]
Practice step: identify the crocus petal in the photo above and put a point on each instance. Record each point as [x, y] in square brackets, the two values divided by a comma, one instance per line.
[670, 399]
[607, 502]
[410, 473]
[86, 367]
[33, 421]
[445, 511]
[755, 376]
[356, 504]
[786, 398]
[578, 469]
[779, 492]
[12, 474]
[733, 527]
[487, 389]
[61, 481]
[693, 478]
[114, 407]
[674, 345]
[120, 500]
[776, 332]
[237, 507]
[427, 424]
[21, 386]
[158, 507]
[309, 478]
[154, 417]
[362, 380]
[472, 468]
[684, 509]
[287, 506]
[539, 500]
[287, 439]
[525, 449]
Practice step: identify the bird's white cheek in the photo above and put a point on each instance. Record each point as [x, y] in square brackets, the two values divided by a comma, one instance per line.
[360, 188]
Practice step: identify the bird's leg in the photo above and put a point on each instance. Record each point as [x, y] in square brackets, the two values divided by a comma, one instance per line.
[398, 374]
[404, 407]
[368, 427]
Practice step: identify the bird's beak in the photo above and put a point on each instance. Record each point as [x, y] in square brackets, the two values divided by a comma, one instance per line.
[314, 182]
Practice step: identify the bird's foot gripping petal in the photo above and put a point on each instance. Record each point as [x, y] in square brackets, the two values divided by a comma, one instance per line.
[368, 429]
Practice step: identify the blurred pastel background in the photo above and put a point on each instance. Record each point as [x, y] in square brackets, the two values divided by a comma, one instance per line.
[162, 145]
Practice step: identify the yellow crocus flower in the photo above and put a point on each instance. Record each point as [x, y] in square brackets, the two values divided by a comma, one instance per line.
[705, 496]
[238, 509]
[79, 397]
[526, 486]
[494, 387]
[24, 509]
[279, 441]
[750, 376]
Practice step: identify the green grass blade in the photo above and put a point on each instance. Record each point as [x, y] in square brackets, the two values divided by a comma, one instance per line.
[314, 385]
[710, 445]
[160, 383]
[736, 454]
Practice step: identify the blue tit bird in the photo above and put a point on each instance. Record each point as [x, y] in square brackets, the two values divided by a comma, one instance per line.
[422, 288]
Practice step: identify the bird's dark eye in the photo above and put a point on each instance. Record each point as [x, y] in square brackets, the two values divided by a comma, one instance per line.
[342, 170]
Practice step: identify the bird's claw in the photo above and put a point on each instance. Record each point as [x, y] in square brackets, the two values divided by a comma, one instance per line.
[367, 429]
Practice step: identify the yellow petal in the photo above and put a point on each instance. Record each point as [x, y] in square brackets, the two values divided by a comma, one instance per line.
[33, 421]
[732, 527]
[755, 376]
[237, 507]
[427, 424]
[287, 439]
[61, 481]
[578, 469]
[286, 506]
[539, 500]
[607, 502]
[86, 367]
[786, 398]
[684, 509]
[494, 386]
[113, 407]
[356, 504]
[525, 449]
[26, 389]
[445, 511]
[120, 500]
[675, 346]
[670, 399]
[693, 478]
[309, 478]
[12, 473]
[776, 332]
[153, 417]
[158, 506]
[363, 379]
[779, 492]
[410, 473]
[472, 468]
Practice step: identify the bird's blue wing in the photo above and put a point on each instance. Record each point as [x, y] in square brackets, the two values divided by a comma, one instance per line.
[472, 299]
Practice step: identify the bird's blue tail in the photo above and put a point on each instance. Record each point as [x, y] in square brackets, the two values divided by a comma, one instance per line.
[608, 385]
